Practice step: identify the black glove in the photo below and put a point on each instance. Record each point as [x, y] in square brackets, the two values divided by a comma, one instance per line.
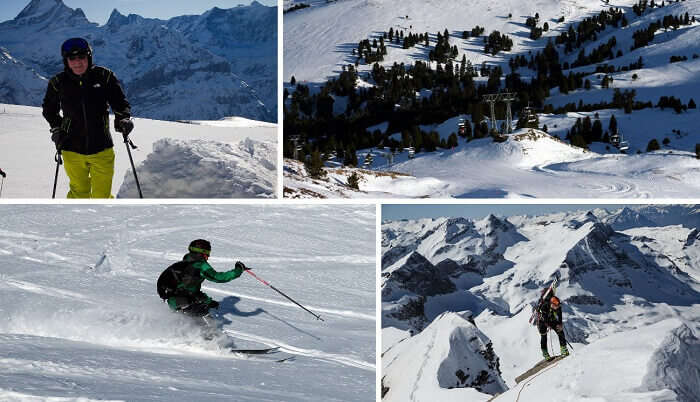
[240, 265]
[124, 126]
[213, 304]
[2, 173]
[58, 135]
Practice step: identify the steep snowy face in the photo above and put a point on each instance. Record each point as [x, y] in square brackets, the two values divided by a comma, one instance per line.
[674, 365]
[168, 72]
[450, 353]
[19, 83]
[628, 218]
[416, 275]
[246, 37]
[465, 244]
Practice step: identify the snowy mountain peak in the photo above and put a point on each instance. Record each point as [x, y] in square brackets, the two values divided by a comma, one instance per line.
[117, 19]
[450, 353]
[40, 7]
[50, 12]
[416, 275]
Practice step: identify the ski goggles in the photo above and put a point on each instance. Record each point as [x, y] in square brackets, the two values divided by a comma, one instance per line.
[75, 47]
[200, 250]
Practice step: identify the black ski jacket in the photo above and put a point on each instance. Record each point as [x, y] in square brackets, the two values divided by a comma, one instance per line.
[549, 316]
[84, 101]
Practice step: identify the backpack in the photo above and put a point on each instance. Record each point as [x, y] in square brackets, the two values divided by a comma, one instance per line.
[170, 279]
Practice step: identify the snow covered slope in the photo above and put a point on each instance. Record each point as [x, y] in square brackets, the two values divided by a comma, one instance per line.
[611, 284]
[221, 159]
[327, 31]
[177, 69]
[528, 164]
[81, 319]
[322, 39]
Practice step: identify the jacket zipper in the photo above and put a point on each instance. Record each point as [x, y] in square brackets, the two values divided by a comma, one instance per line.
[87, 131]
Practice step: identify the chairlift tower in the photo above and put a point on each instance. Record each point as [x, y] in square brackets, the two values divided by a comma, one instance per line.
[509, 98]
[295, 139]
[491, 99]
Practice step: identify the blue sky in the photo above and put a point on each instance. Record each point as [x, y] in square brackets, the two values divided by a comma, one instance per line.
[99, 10]
[416, 211]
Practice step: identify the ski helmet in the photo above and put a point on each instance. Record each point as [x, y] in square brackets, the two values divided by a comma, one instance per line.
[554, 300]
[200, 246]
[74, 47]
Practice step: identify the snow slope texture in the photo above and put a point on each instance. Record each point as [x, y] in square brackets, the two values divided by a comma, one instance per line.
[80, 318]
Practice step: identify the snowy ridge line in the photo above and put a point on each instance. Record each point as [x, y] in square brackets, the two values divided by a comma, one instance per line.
[344, 313]
[316, 354]
[424, 362]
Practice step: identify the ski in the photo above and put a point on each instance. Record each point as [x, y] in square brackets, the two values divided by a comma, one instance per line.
[542, 364]
[268, 355]
[256, 351]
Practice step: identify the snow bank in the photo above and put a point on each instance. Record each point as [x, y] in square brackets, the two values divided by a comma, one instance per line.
[638, 371]
[436, 364]
[205, 169]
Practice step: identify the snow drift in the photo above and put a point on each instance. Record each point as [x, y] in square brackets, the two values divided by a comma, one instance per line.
[199, 168]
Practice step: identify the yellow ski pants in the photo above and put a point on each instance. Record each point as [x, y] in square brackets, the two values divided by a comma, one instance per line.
[90, 175]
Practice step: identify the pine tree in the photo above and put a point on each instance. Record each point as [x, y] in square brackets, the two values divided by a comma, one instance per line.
[315, 165]
[578, 141]
[613, 125]
[354, 181]
[597, 130]
[452, 141]
[697, 151]
[653, 145]
[293, 81]
[691, 104]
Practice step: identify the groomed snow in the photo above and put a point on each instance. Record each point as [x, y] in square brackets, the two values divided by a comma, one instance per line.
[81, 319]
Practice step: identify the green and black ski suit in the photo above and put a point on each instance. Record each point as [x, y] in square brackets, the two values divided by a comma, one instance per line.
[550, 318]
[188, 297]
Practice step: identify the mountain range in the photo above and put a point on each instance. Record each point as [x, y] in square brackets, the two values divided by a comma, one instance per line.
[618, 271]
[218, 64]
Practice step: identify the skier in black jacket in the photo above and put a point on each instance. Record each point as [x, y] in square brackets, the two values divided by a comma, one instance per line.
[550, 316]
[83, 92]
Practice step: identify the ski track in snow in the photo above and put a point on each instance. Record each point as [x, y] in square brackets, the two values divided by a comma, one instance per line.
[424, 361]
[316, 354]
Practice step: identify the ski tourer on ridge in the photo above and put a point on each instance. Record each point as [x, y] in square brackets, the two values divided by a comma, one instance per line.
[550, 315]
[180, 284]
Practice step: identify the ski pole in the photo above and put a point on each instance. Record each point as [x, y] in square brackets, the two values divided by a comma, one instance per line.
[318, 317]
[3, 174]
[59, 162]
[128, 143]
[567, 337]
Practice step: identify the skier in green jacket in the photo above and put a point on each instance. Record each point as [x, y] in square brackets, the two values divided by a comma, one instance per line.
[187, 276]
